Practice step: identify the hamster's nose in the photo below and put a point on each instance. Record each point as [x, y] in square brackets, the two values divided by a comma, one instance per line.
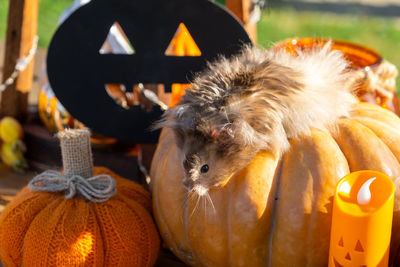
[187, 183]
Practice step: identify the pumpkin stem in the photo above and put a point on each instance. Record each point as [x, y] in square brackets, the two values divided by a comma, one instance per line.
[76, 152]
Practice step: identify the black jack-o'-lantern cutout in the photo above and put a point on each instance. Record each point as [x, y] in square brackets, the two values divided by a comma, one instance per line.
[78, 73]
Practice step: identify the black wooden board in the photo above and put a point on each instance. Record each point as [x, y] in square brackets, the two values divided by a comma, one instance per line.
[78, 72]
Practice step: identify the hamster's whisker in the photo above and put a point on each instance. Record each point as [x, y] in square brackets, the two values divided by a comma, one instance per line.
[211, 202]
[195, 207]
[205, 205]
[184, 204]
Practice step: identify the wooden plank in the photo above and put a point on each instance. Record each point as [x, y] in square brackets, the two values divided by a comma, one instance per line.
[44, 153]
[12, 182]
[242, 9]
[21, 30]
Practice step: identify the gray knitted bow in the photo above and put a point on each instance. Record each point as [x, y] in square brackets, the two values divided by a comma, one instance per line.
[96, 189]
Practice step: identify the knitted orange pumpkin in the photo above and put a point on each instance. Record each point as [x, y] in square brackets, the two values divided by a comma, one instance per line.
[56, 229]
[276, 211]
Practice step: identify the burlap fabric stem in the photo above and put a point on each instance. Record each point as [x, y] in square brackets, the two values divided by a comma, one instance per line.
[78, 168]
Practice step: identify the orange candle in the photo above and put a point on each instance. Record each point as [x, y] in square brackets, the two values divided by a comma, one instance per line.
[362, 220]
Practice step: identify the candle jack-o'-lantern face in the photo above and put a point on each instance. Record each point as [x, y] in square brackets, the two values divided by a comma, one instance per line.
[78, 73]
[351, 252]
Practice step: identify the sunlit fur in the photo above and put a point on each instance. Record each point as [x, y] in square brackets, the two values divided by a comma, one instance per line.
[251, 102]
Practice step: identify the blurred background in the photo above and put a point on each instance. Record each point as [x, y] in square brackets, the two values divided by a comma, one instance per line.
[373, 23]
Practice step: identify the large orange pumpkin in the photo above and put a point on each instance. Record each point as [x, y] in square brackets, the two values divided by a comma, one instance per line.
[276, 211]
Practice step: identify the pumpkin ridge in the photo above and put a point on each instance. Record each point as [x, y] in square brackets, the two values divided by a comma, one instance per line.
[317, 189]
[141, 202]
[28, 259]
[367, 110]
[314, 159]
[277, 176]
[103, 216]
[200, 223]
[384, 132]
[94, 226]
[135, 251]
[155, 185]
[228, 216]
[15, 204]
[348, 127]
[143, 239]
[80, 235]
[281, 201]
[185, 222]
[53, 244]
[360, 119]
[134, 207]
[159, 154]
[309, 219]
[164, 227]
[260, 178]
[315, 198]
[17, 208]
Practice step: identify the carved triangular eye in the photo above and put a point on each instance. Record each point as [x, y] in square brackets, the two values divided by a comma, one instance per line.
[359, 247]
[341, 242]
[182, 44]
[117, 42]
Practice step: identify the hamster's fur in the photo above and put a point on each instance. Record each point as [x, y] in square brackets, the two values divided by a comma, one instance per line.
[255, 101]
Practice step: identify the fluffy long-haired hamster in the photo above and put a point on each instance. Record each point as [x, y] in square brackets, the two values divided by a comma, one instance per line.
[254, 101]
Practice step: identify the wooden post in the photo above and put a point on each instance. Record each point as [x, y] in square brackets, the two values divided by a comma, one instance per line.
[242, 9]
[21, 30]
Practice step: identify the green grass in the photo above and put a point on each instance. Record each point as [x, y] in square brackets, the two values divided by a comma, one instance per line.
[276, 24]
[381, 34]
[3, 17]
[49, 11]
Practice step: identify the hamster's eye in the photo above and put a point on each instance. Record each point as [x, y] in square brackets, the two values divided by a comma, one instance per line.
[204, 168]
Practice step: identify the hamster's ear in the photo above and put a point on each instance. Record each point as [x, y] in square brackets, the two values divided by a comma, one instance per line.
[222, 134]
